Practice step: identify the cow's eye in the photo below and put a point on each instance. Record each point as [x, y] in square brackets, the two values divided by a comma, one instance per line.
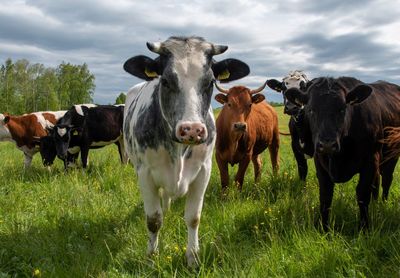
[250, 104]
[229, 105]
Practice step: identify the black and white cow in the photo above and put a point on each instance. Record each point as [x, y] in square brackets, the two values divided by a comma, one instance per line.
[83, 128]
[302, 146]
[169, 127]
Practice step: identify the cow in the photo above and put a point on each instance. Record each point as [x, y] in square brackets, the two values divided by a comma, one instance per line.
[23, 130]
[246, 126]
[169, 128]
[83, 128]
[302, 146]
[346, 120]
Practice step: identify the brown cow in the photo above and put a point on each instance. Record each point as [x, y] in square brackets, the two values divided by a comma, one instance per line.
[24, 130]
[246, 126]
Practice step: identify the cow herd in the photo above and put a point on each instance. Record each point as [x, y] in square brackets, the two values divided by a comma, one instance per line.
[168, 132]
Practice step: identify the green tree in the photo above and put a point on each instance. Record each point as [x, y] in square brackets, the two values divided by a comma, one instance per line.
[76, 84]
[120, 99]
[8, 87]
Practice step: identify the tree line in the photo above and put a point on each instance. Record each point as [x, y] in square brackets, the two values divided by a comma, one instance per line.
[27, 87]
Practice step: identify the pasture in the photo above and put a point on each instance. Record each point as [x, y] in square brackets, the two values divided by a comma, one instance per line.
[91, 224]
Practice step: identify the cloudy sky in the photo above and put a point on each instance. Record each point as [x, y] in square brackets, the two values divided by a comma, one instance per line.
[358, 38]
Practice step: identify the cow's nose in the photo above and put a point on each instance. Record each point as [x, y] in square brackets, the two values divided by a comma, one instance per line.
[240, 126]
[327, 147]
[191, 133]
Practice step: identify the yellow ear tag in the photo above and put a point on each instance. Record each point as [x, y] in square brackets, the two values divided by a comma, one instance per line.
[75, 132]
[224, 75]
[150, 73]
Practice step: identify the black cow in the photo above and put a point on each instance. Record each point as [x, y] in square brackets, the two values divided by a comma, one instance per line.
[83, 128]
[48, 151]
[302, 146]
[346, 120]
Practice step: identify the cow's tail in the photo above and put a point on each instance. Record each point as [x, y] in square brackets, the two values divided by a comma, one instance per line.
[392, 141]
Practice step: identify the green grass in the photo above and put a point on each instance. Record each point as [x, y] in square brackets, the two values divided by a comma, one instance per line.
[91, 224]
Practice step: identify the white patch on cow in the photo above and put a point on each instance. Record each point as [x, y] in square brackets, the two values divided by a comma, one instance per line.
[294, 78]
[301, 143]
[61, 131]
[141, 92]
[189, 60]
[78, 107]
[40, 119]
[58, 114]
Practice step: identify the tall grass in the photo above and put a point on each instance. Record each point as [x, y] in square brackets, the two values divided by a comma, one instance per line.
[91, 224]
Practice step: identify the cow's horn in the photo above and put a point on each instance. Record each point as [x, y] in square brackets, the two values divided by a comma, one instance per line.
[259, 89]
[218, 49]
[222, 90]
[155, 47]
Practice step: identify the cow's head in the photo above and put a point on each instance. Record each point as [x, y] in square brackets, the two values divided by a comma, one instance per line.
[48, 150]
[326, 102]
[4, 131]
[62, 135]
[295, 79]
[238, 102]
[185, 72]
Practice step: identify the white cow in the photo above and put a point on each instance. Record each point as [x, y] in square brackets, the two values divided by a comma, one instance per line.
[169, 128]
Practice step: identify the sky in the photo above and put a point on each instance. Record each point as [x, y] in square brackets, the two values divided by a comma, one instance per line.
[323, 38]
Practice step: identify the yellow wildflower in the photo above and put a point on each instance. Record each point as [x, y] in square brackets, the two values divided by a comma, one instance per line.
[36, 272]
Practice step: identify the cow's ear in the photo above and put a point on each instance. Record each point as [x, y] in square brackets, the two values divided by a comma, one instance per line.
[230, 69]
[275, 85]
[296, 96]
[221, 98]
[358, 94]
[257, 98]
[142, 67]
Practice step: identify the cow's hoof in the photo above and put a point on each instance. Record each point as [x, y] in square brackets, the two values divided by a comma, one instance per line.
[192, 259]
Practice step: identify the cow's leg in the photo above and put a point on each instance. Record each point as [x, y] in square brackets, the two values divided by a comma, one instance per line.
[257, 168]
[166, 201]
[27, 159]
[274, 151]
[223, 172]
[376, 180]
[387, 170]
[84, 155]
[325, 193]
[363, 189]
[243, 164]
[152, 208]
[302, 167]
[193, 207]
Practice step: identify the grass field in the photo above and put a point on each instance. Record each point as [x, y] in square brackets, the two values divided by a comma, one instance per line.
[91, 224]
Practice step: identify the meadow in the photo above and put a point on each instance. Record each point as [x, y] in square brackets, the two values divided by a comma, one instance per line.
[91, 224]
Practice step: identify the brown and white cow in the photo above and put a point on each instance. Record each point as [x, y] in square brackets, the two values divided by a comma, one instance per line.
[246, 126]
[24, 130]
